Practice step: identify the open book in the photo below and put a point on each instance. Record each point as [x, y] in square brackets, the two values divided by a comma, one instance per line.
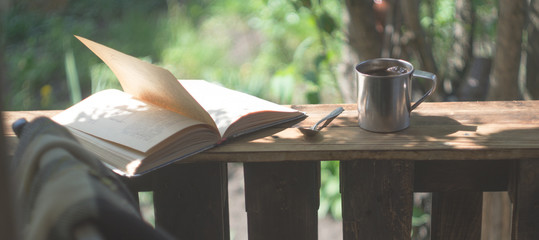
[158, 119]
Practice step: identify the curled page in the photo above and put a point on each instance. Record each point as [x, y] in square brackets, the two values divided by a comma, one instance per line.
[149, 82]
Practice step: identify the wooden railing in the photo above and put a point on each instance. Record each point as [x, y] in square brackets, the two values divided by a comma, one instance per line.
[456, 150]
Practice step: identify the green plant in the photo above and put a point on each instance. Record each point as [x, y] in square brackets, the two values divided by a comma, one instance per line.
[330, 196]
[72, 77]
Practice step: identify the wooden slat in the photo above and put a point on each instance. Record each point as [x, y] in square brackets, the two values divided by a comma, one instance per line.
[11, 116]
[377, 199]
[526, 200]
[456, 215]
[478, 175]
[438, 131]
[496, 219]
[191, 200]
[282, 200]
[8, 223]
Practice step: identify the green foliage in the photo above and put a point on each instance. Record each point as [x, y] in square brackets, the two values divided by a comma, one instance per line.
[438, 18]
[36, 41]
[420, 221]
[146, 207]
[330, 195]
[72, 77]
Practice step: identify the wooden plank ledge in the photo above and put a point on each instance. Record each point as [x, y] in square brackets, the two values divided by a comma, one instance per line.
[494, 130]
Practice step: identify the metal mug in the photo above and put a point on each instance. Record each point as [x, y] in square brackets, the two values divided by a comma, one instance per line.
[384, 93]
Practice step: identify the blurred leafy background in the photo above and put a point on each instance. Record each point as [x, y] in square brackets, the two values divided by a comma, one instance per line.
[272, 49]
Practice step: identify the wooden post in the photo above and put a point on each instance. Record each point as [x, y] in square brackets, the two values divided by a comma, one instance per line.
[282, 200]
[496, 223]
[191, 200]
[526, 200]
[458, 184]
[8, 228]
[456, 215]
[377, 199]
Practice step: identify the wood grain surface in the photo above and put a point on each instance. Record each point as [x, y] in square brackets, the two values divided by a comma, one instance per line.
[439, 131]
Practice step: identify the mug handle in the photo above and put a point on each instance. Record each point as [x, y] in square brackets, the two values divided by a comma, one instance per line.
[426, 75]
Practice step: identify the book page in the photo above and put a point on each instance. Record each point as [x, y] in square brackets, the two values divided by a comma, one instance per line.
[149, 83]
[118, 117]
[226, 106]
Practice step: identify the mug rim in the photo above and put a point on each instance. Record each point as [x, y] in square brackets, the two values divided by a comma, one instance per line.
[401, 62]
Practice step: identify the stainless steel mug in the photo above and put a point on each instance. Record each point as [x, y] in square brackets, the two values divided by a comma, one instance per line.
[384, 93]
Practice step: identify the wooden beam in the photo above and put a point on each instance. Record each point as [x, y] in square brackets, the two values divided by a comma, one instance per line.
[282, 200]
[526, 196]
[377, 199]
[191, 200]
[456, 215]
[445, 176]
[8, 228]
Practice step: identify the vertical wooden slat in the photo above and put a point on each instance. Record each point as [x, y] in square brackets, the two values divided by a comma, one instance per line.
[191, 200]
[496, 222]
[456, 215]
[282, 200]
[377, 199]
[132, 186]
[7, 220]
[526, 200]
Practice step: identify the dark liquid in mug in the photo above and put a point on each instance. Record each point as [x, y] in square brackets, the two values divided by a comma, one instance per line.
[390, 71]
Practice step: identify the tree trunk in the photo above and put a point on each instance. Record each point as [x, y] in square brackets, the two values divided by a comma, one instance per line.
[346, 72]
[532, 72]
[462, 53]
[363, 42]
[362, 35]
[410, 12]
[474, 84]
[504, 76]
[4, 5]
[392, 30]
